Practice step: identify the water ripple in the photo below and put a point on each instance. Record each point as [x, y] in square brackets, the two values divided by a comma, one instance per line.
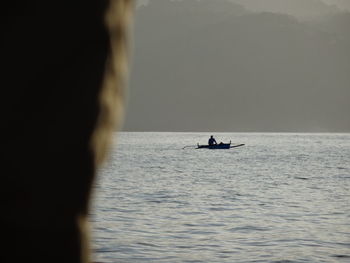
[283, 198]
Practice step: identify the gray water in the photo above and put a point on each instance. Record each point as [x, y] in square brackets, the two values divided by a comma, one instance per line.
[279, 198]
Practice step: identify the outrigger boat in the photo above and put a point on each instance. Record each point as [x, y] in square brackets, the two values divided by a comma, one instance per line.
[220, 145]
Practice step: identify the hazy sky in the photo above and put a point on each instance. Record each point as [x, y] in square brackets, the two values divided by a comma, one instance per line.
[214, 65]
[343, 4]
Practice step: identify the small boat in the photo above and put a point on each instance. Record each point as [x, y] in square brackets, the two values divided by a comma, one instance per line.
[220, 145]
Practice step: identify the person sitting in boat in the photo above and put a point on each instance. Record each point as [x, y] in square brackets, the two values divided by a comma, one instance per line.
[211, 140]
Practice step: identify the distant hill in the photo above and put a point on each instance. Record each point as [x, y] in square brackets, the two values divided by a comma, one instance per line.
[304, 9]
[343, 4]
[200, 68]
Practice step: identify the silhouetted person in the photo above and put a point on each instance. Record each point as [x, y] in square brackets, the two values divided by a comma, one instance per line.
[62, 72]
[211, 140]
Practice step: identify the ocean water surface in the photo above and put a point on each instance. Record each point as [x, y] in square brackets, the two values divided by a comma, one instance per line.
[279, 198]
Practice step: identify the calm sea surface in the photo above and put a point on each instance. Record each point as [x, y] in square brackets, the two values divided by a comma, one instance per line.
[279, 198]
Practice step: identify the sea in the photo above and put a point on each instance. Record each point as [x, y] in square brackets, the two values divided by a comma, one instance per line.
[280, 198]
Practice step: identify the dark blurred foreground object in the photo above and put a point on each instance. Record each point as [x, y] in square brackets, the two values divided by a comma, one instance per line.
[63, 66]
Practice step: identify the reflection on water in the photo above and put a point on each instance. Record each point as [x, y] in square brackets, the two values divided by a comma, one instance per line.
[280, 198]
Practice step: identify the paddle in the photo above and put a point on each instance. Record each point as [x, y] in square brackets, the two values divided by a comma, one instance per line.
[238, 145]
[188, 146]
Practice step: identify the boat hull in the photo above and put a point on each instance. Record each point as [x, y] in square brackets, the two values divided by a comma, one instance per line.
[219, 146]
[215, 146]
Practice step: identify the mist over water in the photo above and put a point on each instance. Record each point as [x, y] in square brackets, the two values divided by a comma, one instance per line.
[280, 198]
[240, 66]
